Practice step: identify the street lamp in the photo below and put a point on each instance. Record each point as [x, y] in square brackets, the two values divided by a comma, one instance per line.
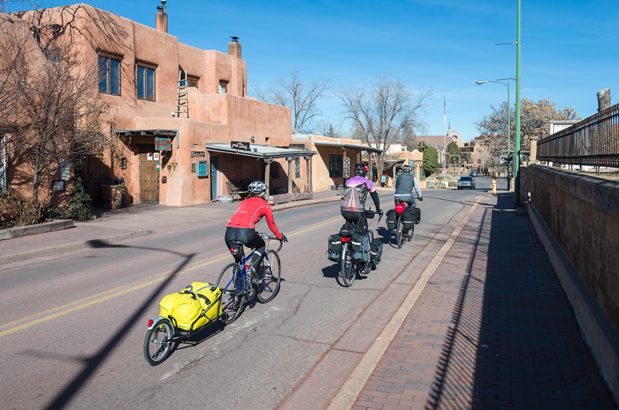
[508, 121]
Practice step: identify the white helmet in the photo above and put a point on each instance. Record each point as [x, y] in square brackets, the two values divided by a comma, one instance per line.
[257, 188]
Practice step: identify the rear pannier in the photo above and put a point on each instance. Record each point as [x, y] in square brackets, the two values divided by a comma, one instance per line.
[360, 248]
[334, 250]
[391, 218]
[408, 218]
[376, 250]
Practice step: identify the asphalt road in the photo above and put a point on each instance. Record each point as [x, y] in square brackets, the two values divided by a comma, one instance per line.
[73, 325]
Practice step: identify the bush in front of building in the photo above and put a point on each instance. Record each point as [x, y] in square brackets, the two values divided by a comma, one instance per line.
[16, 210]
[80, 204]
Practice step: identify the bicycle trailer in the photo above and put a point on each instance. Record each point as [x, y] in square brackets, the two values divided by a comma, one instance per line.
[192, 307]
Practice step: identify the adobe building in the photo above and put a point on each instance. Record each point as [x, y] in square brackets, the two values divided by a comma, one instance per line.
[185, 125]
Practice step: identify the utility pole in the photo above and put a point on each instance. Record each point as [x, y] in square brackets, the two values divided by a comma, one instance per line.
[444, 140]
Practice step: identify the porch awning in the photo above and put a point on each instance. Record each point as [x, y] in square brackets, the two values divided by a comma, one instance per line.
[348, 146]
[259, 151]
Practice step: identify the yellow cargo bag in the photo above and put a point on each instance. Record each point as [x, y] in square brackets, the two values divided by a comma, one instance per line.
[186, 306]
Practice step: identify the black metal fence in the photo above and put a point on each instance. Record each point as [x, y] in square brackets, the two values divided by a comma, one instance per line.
[593, 141]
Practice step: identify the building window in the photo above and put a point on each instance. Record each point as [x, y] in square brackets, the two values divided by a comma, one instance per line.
[109, 75]
[123, 162]
[146, 83]
[297, 167]
[335, 166]
[223, 87]
[191, 81]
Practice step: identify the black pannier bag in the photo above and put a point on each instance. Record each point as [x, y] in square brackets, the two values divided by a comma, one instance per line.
[417, 215]
[391, 218]
[376, 250]
[334, 250]
[408, 218]
[360, 247]
[348, 230]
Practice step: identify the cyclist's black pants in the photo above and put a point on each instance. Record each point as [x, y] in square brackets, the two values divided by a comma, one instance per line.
[248, 237]
[359, 218]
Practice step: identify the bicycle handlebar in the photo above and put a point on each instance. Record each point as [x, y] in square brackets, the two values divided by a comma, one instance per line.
[271, 238]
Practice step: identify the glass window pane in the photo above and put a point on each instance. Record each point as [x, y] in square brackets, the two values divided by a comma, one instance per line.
[103, 75]
[150, 85]
[141, 93]
[115, 77]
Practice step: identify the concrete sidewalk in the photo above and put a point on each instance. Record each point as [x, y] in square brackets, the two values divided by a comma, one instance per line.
[491, 329]
[130, 222]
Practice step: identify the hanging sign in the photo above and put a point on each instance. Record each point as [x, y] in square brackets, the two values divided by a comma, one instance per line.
[240, 145]
[163, 144]
[198, 154]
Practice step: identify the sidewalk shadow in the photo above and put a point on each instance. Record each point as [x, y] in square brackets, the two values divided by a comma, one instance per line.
[513, 340]
[92, 363]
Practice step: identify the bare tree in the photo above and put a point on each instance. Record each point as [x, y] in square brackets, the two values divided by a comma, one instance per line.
[56, 114]
[387, 113]
[533, 122]
[294, 93]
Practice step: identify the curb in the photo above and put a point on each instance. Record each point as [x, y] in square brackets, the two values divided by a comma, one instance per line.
[20, 231]
[304, 203]
[56, 250]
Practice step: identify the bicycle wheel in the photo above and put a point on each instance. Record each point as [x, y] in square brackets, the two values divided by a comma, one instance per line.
[399, 236]
[158, 342]
[231, 284]
[347, 266]
[269, 277]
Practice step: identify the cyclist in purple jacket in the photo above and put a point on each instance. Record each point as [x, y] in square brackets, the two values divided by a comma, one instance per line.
[353, 206]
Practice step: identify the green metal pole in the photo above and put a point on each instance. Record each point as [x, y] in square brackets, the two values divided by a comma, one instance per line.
[509, 114]
[517, 148]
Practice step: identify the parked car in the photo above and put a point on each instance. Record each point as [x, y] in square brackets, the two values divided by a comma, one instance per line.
[466, 183]
[473, 174]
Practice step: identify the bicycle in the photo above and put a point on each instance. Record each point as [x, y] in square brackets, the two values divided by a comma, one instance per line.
[348, 266]
[401, 233]
[236, 288]
[162, 332]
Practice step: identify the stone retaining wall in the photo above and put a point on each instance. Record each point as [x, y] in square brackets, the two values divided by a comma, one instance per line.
[582, 214]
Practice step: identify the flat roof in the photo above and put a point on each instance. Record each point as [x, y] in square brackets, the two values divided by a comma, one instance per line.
[258, 151]
[347, 146]
[148, 133]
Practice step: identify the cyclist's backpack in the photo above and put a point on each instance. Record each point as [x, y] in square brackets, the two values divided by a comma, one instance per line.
[391, 218]
[408, 218]
[184, 307]
[376, 250]
[354, 198]
[334, 251]
[360, 247]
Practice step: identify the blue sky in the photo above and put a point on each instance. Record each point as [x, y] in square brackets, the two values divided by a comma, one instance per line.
[570, 49]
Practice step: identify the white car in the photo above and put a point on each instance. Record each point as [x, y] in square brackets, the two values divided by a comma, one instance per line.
[466, 183]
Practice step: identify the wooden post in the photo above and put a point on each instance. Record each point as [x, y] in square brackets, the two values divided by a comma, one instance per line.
[309, 173]
[289, 175]
[267, 177]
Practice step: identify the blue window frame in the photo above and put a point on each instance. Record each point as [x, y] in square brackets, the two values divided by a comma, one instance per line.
[109, 75]
[146, 83]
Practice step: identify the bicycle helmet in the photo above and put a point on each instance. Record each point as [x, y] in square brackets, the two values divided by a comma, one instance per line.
[407, 168]
[361, 169]
[257, 188]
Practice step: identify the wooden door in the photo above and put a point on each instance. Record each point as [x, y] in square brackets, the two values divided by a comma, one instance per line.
[149, 180]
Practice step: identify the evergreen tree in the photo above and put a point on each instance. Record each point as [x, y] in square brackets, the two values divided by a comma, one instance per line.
[430, 160]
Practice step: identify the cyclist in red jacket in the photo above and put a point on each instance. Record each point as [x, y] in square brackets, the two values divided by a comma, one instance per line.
[241, 226]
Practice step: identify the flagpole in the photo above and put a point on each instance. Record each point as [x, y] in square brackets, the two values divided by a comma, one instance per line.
[444, 139]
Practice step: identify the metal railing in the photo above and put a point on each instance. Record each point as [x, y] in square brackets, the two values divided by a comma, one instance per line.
[593, 141]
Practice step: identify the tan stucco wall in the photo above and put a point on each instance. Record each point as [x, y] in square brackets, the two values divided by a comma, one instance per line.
[582, 214]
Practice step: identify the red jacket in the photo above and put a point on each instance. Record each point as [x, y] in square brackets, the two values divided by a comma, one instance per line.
[250, 212]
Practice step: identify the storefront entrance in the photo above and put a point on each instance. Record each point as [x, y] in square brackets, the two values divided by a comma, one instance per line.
[149, 175]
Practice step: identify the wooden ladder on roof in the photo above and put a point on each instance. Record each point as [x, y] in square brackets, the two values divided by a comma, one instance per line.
[182, 102]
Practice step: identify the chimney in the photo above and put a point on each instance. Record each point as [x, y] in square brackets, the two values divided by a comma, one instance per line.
[162, 18]
[234, 47]
[603, 99]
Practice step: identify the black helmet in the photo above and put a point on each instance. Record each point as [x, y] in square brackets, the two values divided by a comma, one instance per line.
[407, 168]
[361, 170]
